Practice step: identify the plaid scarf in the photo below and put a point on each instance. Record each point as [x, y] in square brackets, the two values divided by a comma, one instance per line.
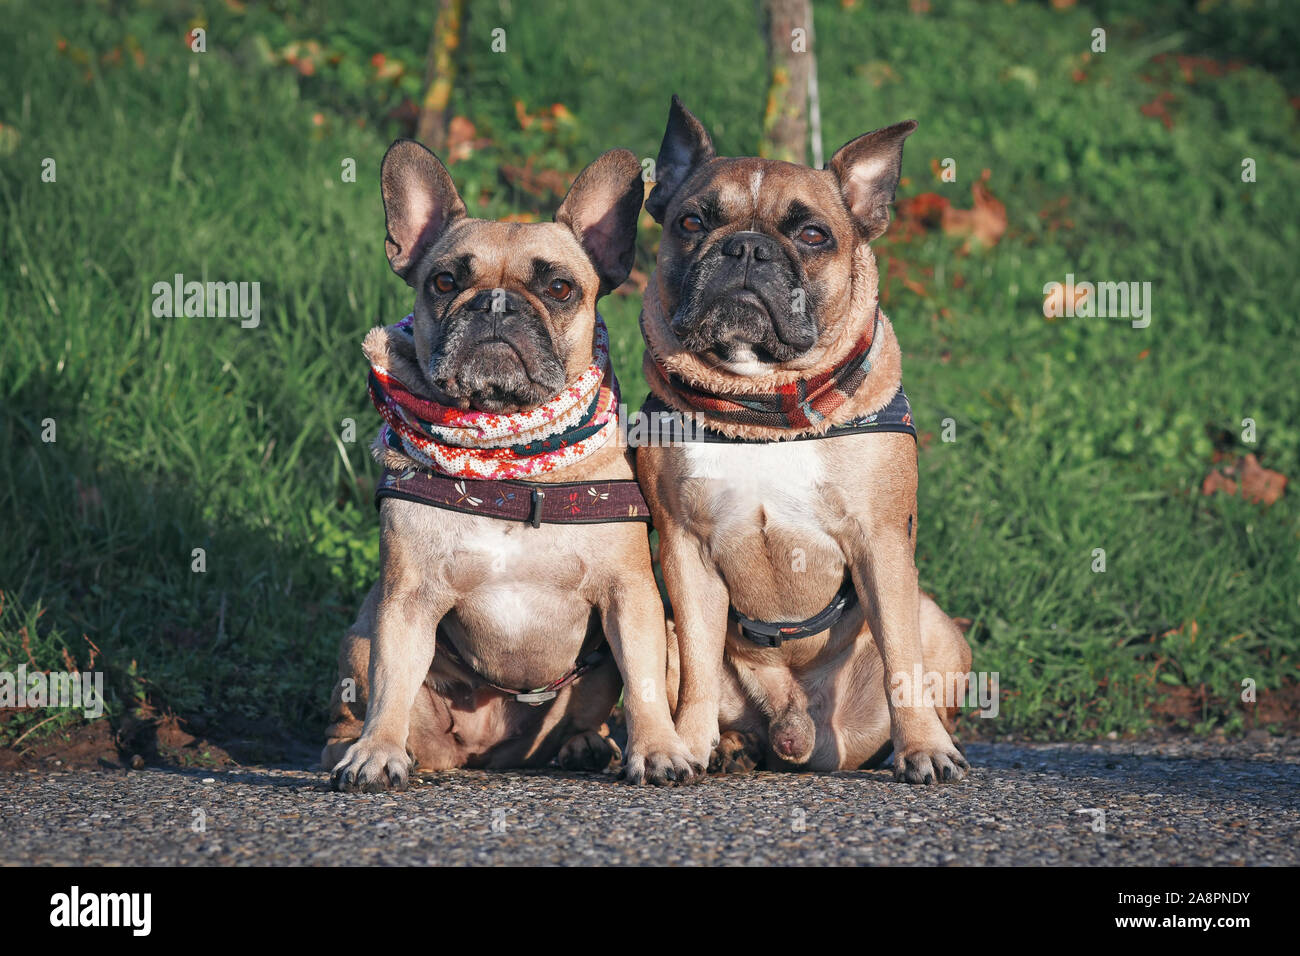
[476, 444]
[804, 403]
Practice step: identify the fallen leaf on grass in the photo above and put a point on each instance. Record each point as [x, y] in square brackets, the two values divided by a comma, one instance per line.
[1158, 109]
[1259, 485]
[547, 119]
[985, 221]
[1189, 65]
[917, 214]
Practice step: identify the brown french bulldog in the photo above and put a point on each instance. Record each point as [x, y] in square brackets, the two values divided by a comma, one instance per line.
[762, 324]
[469, 606]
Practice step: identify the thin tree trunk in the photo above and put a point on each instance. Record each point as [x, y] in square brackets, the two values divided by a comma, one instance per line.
[440, 75]
[814, 96]
[785, 121]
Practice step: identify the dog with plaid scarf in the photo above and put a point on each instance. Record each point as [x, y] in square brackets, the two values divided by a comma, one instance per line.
[787, 538]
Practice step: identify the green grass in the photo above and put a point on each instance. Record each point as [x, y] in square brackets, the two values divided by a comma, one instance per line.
[175, 434]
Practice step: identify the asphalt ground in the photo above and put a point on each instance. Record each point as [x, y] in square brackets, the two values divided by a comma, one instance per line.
[1177, 802]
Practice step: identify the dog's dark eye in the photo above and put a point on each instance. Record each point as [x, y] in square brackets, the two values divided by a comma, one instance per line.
[692, 223]
[560, 290]
[444, 282]
[812, 235]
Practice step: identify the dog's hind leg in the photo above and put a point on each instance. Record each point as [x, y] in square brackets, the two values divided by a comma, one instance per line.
[348, 699]
[738, 751]
[568, 728]
[945, 651]
[590, 748]
[590, 751]
[429, 740]
[743, 744]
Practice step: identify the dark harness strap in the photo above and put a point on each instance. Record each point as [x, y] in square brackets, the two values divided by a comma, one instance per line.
[538, 695]
[535, 503]
[660, 425]
[773, 634]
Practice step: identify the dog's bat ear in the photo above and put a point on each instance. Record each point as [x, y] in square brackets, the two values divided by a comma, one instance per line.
[420, 202]
[601, 209]
[867, 169]
[685, 147]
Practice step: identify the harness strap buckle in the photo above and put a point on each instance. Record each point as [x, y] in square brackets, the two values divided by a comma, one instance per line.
[536, 697]
[535, 515]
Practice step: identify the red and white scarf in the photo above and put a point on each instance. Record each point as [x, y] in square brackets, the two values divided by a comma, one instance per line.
[462, 443]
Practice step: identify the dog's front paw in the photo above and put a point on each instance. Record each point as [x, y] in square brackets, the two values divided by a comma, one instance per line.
[660, 760]
[736, 752]
[372, 766]
[589, 751]
[938, 762]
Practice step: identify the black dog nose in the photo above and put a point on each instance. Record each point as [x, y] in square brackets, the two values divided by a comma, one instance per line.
[751, 245]
[493, 300]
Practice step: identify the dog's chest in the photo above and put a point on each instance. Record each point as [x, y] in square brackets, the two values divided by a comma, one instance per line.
[775, 484]
[498, 555]
[508, 579]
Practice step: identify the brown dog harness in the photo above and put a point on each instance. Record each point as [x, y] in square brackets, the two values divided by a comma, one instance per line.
[530, 502]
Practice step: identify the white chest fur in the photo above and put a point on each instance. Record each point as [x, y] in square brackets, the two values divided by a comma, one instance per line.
[738, 479]
[502, 544]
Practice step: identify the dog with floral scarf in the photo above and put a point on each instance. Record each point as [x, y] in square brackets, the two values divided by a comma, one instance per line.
[516, 584]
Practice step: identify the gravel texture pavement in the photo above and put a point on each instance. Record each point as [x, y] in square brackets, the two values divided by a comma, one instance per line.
[1175, 802]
